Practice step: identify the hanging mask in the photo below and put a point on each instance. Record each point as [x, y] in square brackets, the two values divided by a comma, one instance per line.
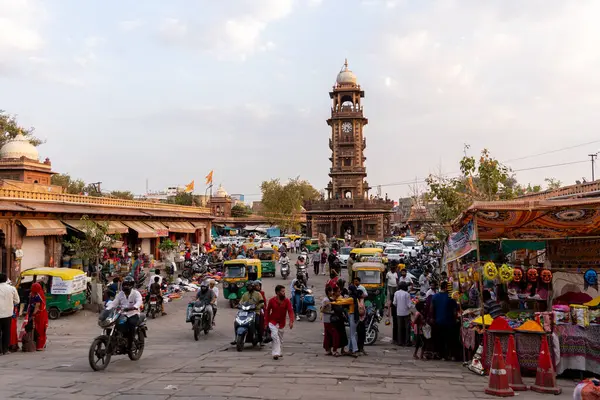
[532, 275]
[490, 272]
[546, 276]
[517, 274]
[590, 278]
[506, 273]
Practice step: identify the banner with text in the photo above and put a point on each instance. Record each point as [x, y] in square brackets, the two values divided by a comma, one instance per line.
[461, 243]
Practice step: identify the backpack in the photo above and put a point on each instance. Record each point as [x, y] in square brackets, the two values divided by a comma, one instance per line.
[323, 258]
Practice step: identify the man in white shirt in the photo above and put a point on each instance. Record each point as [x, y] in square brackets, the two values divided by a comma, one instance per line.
[130, 301]
[424, 282]
[8, 299]
[392, 281]
[156, 273]
[406, 279]
[403, 308]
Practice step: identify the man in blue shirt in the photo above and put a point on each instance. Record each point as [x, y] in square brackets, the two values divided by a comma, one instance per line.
[444, 314]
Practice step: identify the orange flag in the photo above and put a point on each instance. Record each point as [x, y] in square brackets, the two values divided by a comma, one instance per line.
[189, 188]
[209, 178]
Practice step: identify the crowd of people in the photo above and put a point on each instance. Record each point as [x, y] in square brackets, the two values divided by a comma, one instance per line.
[33, 330]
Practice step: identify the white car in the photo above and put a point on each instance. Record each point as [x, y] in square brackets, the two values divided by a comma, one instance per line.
[222, 241]
[394, 252]
[344, 255]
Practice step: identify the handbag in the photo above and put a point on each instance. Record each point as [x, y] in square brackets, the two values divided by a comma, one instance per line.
[427, 331]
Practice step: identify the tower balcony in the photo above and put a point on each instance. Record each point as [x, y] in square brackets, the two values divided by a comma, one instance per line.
[348, 170]
[347, 112]
[356, 204]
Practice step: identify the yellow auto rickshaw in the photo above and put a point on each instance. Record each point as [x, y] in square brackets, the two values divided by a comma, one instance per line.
[371, 274]
[236, 274]
[367, 244]
[66, 289]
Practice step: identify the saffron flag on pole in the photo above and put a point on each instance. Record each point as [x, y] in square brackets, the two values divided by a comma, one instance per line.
[189, 188]
[209, 178]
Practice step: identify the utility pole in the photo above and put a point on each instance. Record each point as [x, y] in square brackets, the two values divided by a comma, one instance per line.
[465, 148]
[593, 157]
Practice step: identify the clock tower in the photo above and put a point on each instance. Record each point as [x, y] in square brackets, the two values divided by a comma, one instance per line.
[349, 211]
[347, 142]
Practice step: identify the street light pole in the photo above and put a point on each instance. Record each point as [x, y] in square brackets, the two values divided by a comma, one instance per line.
[593, 157]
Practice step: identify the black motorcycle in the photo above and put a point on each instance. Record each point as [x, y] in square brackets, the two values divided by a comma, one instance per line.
[199, 318]
[114, 341]
[246, 326]
[372, 320]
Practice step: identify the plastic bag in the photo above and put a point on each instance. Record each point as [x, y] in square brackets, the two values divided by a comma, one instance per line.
[587, 390]
[427, 331]
[580, 315]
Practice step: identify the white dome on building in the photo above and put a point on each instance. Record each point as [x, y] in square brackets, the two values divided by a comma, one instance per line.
[221, 192]
[19, 147]
[346, 76]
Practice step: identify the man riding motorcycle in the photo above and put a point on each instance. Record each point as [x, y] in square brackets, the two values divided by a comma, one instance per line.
[207, 297]
[130, 301]
[155, 289]
[253, 296]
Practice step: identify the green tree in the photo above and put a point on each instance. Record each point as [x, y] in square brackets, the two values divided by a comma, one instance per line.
[122, 194]
[240, 211]
[484, 179]
[184, 199]
[71, 186]
[9, 128]
[283, 203]
[95, 239]
[553, 183]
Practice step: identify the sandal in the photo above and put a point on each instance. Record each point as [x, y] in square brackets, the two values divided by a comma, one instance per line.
[329, 353]
[336, 354]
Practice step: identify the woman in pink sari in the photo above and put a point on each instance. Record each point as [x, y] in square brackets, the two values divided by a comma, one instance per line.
[39, 315]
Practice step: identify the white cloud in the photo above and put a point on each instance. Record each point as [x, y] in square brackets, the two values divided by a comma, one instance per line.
[130, 25]
[88, 55]
[20, 25]
[237, 36]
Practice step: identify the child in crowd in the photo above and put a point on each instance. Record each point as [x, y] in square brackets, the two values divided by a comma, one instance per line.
[418, 323]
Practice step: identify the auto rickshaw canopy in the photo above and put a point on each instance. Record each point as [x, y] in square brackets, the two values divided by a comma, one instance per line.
[66, 274]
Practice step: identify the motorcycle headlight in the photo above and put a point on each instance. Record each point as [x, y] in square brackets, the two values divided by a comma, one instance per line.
[240, 284]
[377, 292]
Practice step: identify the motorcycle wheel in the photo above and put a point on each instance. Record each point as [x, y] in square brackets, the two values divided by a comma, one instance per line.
[311, 316]
[239, 342]
[206, 327]
[371, 336]
[99, 356]
[196, 330]
[152, 313]
[139, 346]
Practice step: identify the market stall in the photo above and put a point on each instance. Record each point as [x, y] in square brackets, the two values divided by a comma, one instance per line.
[539, 260]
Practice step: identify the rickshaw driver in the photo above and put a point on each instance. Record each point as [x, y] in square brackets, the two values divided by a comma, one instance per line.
[130, 301]
[253, 296]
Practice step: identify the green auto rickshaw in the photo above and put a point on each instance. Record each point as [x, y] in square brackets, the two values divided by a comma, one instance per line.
[268, 259]
[66, 289]
[371, 274]
[236, 274]
[311, 244]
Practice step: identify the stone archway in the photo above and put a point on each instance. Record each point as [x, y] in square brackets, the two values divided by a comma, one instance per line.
[345, 226]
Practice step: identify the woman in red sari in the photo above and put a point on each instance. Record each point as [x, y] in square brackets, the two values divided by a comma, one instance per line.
[14, 335]
[39, 315]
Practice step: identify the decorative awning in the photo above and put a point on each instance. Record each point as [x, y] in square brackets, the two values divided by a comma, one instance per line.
[199, 225]
[180, 227]
[161, 230]
[116, 227]
[76, 224]
[144, 231]
[43, 227]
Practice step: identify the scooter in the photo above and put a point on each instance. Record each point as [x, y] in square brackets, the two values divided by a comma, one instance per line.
[285, 270]
[153, 306]
[371, 325]
[199, 318]
[307, 305]
[302, 274]
[246, 326]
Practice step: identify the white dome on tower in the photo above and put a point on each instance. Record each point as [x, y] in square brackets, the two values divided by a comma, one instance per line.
[346, 76]
[221, 192]
[19, 147]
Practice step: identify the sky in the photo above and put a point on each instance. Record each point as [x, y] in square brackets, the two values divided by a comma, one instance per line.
[127, 92]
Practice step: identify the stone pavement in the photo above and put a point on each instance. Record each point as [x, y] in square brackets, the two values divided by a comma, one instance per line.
[176, 367]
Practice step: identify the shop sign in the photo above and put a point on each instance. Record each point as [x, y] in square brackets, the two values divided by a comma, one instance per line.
[76, 285]
[574, 252]
[162, 232]
[461, 243]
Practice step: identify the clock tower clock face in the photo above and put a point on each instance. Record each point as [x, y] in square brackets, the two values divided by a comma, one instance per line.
[347, 127]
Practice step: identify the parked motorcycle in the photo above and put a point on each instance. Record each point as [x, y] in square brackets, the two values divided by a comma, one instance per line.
[199, 318]
[285, 269]
[372, 319]
[113, 341]
[307, 305]
[246, 326]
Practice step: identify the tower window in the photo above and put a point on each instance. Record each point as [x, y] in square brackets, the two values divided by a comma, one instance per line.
[347, 162]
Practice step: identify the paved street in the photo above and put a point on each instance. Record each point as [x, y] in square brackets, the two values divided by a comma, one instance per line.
[176, 367]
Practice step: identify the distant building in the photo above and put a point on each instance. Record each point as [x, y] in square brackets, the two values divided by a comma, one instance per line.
[579, 190]
[237, 197]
